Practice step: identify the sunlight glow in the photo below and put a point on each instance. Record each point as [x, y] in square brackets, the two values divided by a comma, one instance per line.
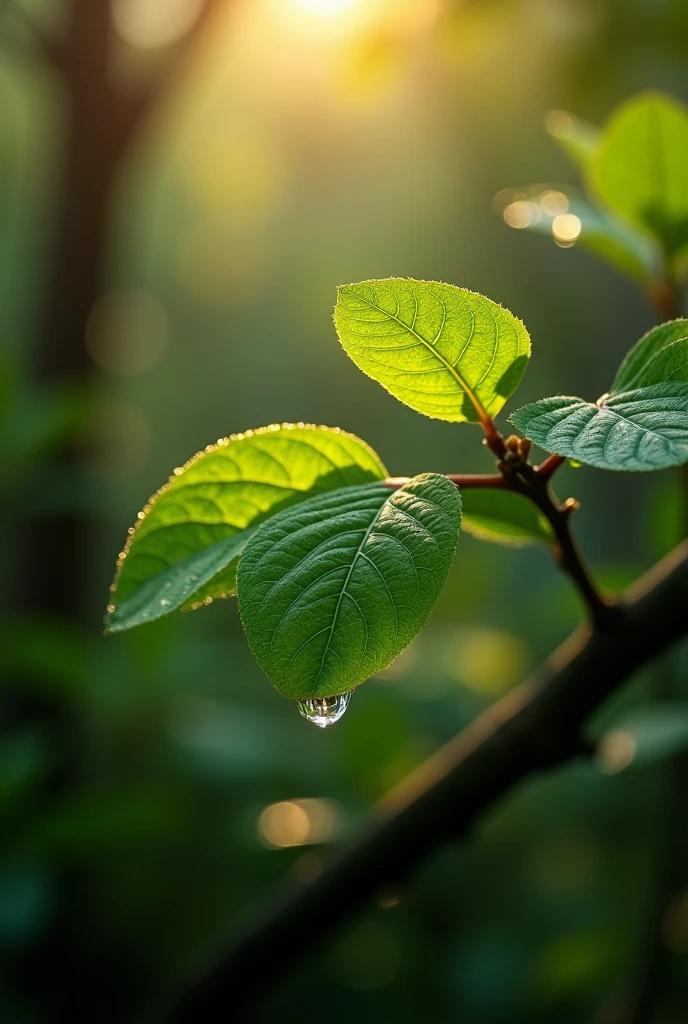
[324, 7]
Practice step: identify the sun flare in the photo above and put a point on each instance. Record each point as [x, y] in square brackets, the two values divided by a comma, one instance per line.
[324, 7]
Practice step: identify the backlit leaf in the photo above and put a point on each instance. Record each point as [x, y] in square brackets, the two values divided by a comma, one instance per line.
[333, 589]
[184, 584]
[226, 489]
[444, 351]
[662, 354]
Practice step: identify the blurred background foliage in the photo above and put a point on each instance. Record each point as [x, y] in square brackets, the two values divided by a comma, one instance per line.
[153, 786]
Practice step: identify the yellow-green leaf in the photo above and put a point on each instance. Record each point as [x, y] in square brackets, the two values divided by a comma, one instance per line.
[228, 488]
[444, 351]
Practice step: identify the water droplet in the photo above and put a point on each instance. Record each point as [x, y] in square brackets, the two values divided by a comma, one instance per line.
[324, 711]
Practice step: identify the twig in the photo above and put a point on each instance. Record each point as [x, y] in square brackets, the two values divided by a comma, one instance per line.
[532, 485]
[548, 468]
[522, 477]
[517, 474]
[534, 728]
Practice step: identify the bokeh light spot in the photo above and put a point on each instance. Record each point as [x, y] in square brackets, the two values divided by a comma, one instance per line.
[566, 228]
[297, 822]
[519, 214]
[553, 202]
[616, 751]
[488, 660]
[149, 24]
[559, 124]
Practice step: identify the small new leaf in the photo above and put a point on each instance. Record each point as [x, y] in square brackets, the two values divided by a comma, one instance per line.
[636, 430]
[333, 589]
[444, 351]
[662, 354]
[223, 491]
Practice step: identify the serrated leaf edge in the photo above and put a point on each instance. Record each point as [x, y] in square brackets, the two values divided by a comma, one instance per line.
[477, 404]
[222, 442]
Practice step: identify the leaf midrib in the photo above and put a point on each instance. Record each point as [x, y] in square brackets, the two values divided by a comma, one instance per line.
[345, 585]
[605, 408]
[431, 348]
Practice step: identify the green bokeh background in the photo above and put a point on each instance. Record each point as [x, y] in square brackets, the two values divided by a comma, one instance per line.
[293, 153]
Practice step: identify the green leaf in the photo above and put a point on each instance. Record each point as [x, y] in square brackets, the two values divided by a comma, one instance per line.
[661, 354]
[185, 584]
[333, 589]
[576, 137]
[444, 351]
[503, 517]
[636, 430]
[639, 168]
[226, 489]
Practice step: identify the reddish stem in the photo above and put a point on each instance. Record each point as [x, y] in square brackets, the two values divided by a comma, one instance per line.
[465, 480]
[548, 468]
[493, 438]
[460, 480]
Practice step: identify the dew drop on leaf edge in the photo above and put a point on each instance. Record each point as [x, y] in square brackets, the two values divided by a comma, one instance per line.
[324, 711]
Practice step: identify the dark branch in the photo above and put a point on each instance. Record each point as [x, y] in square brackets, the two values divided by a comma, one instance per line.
[534, 728]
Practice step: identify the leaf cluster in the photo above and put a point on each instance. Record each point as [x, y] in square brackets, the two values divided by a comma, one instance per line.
[336, 565]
